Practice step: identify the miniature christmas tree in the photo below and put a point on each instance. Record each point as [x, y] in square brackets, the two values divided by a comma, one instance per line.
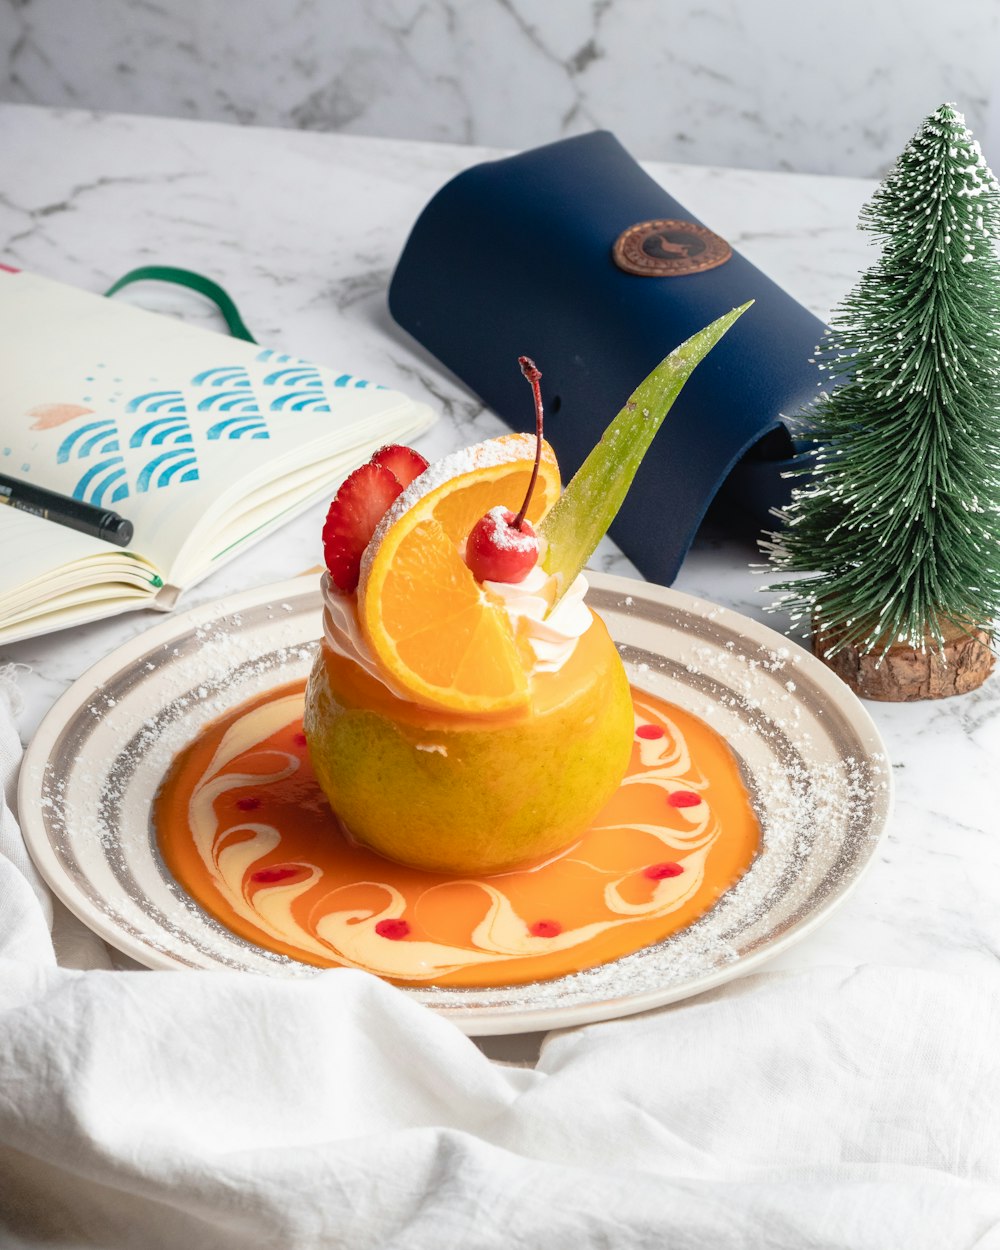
[899, 529]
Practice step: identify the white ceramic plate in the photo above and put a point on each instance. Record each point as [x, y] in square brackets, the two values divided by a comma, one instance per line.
[812, 758]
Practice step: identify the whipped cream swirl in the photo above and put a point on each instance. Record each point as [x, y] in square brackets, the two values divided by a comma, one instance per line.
[343, 636]
[552, 635]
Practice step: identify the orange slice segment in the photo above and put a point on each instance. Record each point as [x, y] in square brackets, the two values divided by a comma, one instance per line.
[440, 635]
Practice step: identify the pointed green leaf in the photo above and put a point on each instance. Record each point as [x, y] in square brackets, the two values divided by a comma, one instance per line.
[581, 515]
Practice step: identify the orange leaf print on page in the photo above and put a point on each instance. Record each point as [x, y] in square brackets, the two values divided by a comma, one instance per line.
[48, 416]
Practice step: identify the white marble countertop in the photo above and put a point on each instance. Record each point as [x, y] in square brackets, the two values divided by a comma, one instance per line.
[303, 229]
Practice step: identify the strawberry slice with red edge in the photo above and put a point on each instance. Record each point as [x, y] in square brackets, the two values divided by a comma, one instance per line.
[403, 462]
[356, 510]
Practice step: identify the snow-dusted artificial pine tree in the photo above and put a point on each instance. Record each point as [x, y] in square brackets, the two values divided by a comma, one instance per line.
[899, 529]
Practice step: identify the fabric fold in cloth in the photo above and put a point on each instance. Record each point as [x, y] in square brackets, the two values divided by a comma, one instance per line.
[841, 1107]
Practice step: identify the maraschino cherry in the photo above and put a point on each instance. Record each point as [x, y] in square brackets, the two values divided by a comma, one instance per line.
[503, 547]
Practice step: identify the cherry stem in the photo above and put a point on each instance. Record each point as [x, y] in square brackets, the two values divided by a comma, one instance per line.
[533, 374]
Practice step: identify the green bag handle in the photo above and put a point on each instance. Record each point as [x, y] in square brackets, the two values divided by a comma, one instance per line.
[196, 282]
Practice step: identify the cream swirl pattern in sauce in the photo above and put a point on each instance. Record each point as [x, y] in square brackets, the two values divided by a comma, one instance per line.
[643, 860]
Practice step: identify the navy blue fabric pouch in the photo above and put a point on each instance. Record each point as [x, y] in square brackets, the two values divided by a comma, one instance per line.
[518, 257]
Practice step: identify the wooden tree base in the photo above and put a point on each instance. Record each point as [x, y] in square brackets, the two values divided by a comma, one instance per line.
[903, 675]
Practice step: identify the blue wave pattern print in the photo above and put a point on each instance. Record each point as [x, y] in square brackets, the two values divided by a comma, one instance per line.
[168, 436]
[230, 402]
[232, 395]
[179, 464]
[301, 384]
[106, 480]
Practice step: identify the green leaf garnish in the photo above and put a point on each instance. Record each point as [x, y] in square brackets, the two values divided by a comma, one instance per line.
[580, 517]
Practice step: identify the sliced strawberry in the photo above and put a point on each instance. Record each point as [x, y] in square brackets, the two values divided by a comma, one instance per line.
[356, 510]
[404, 462]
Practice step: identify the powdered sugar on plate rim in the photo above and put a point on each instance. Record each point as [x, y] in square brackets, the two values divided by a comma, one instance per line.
[810, 755]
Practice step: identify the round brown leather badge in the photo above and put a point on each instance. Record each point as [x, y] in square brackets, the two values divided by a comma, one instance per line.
[669, 249]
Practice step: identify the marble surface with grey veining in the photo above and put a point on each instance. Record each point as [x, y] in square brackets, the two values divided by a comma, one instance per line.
[303, 229]
[772, 84]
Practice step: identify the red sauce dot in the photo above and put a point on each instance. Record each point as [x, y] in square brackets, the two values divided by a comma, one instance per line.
[683, 798]
[657, 872]
[650, 731]
[280, 872]
[394, 930]
[249, 803]
[300, 739]
[545, 928]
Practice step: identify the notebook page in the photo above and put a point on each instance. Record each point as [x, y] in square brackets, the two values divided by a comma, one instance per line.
[160, 420]
[35, 549]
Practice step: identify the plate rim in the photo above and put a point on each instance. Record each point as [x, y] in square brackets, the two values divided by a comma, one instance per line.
[472, 1021]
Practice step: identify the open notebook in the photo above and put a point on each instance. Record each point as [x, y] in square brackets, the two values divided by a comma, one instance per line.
[205, 443]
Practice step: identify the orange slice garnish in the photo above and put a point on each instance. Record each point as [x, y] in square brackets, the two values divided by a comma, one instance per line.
[439, 634]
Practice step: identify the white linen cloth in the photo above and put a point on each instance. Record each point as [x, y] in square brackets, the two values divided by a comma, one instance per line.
[836, 1108]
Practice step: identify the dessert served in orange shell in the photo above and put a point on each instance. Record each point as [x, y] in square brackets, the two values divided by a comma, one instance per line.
[502, 805]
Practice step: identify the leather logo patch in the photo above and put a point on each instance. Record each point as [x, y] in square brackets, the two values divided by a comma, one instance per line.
[669, 249]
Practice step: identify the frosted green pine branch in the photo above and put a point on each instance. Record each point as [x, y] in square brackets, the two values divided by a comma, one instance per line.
[898, 532]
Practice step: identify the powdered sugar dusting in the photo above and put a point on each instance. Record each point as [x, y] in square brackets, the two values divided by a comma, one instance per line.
[507, 536]
[810, 757]
[495, 451]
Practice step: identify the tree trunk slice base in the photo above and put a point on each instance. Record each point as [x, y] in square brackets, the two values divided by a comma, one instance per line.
[903, 675]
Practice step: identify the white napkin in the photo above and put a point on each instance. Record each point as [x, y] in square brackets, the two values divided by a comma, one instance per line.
[838, 1108]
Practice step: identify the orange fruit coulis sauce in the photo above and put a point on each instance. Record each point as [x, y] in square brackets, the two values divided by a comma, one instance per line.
[244, 827]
